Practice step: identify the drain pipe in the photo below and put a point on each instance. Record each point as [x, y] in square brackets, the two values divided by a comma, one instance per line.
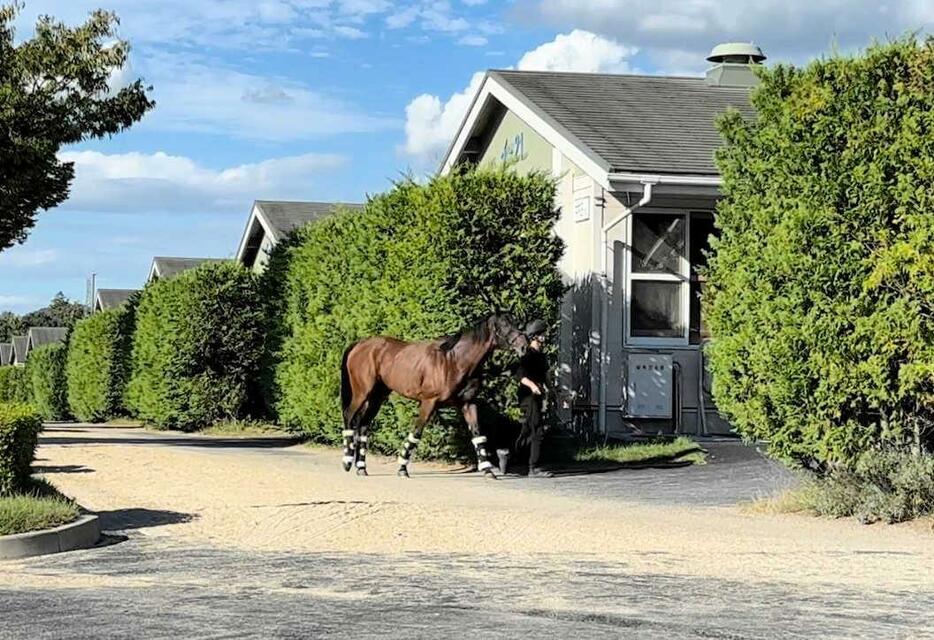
[604, 299]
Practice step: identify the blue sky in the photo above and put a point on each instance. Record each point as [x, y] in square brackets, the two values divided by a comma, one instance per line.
[333, 99]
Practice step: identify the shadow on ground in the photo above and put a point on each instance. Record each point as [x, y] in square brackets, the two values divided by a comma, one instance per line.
[206, 442]
[62, 468]
[139, 518]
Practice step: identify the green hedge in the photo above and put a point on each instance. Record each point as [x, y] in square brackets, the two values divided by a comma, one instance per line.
[14, 385]
[19, 435]
[98, 366]
[197, 347]
[820, 289]
[421, 261]
[45, 371]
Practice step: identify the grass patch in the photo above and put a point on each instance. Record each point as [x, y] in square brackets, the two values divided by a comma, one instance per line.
[42, 507]
[244, 429]
[884, 486]
[680, 450]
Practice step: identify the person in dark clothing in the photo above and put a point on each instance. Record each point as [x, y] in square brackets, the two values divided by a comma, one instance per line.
[532, 373]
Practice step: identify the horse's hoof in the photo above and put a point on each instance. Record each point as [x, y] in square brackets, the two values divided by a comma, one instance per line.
[403, 472]
[347, 466]
[489, 475]
[362, 472]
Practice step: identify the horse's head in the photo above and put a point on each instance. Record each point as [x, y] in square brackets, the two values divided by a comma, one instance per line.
[506, 335]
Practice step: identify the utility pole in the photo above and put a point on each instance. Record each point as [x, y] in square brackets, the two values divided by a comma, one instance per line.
[91, 291]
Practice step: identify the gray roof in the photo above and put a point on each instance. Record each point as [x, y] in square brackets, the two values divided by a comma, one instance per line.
[285, 217]
[650, 124]
[19, 349]
[42, 336]
[6, 353]
[166, 267]
[113, 298]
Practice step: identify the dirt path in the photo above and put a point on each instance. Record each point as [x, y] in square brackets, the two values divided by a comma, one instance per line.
[297, 499]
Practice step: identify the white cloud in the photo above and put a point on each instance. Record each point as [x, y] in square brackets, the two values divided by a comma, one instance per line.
[351, 33]
[795, 30]
[579, 51]
[152, 183]
[430, 122]
[200, 97]
[473, 41]
[27, 257]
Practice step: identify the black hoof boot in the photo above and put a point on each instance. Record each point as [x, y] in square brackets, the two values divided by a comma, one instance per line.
[347, 466]
[403, 472]
[361, 471]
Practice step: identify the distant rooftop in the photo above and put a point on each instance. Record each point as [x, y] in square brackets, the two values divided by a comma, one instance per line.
[113, 298]
[285, 216]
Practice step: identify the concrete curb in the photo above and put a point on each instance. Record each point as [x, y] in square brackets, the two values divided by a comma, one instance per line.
[80, 534]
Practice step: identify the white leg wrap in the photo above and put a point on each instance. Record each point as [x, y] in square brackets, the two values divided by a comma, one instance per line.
[413, 439]
[363, 439]
[348, 432]
[483, 466]
[402, 461]
[348, 459]
[479, 440]
[361, 464]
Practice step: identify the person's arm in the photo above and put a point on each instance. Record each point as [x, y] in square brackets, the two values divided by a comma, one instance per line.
[531, 385]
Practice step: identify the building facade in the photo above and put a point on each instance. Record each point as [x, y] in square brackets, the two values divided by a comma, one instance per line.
[637, 186]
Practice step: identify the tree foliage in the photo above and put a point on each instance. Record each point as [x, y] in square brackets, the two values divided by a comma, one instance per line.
[54, 91]
[197, 347]
[14, 385]
[98, 367]
[45, 374]
[419, 262]
[820, 294]
[19, 436]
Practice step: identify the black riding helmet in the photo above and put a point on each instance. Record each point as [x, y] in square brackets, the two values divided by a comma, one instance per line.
[535, 329]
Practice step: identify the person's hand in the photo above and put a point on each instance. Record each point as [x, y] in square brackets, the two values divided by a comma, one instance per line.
[537, 390]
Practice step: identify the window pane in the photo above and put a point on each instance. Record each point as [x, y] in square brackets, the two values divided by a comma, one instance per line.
[697, 331]
[656, 310]
[701, 230]
[657, 243]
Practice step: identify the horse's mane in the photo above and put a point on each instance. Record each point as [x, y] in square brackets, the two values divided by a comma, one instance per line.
[479, 331]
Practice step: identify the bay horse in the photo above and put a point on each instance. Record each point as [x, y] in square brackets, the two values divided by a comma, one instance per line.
[442, 372]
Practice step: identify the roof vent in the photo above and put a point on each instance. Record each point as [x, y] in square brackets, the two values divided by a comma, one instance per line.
[733, 63]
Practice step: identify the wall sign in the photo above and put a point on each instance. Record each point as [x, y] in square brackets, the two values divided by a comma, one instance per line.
[582, 209]
[514, 149]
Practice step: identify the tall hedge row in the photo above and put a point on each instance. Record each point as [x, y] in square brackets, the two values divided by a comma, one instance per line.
[820, 291]
[197, 346]
[421, 261]
[45, 372]
[19, 436]
[98, 368]
[14, 385]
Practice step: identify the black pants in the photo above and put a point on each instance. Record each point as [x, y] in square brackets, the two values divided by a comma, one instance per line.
[533, 431]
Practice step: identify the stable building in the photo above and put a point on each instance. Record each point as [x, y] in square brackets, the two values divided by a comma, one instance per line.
[271, 221]
[19, 350]
[43, 336]
[633, 157]
[168, 267]
[105, 299]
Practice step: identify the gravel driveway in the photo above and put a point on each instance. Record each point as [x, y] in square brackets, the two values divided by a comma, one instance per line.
[242, 539]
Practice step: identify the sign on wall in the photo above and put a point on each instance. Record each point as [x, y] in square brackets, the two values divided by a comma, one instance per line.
[582, 209]
[514, 149]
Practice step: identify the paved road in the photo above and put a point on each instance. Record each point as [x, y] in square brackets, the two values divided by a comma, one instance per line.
[154, 581]
[147, 588]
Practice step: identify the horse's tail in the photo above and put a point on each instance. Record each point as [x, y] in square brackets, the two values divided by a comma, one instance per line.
[346, 390]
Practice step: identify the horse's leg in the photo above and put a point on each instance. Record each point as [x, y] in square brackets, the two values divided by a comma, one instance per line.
[372, 405]
[425, 411]
[351, 421]
[469, 409]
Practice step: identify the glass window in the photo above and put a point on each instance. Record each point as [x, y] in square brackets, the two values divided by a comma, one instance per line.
[657, 243]
[656, 309]
[697, 329]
